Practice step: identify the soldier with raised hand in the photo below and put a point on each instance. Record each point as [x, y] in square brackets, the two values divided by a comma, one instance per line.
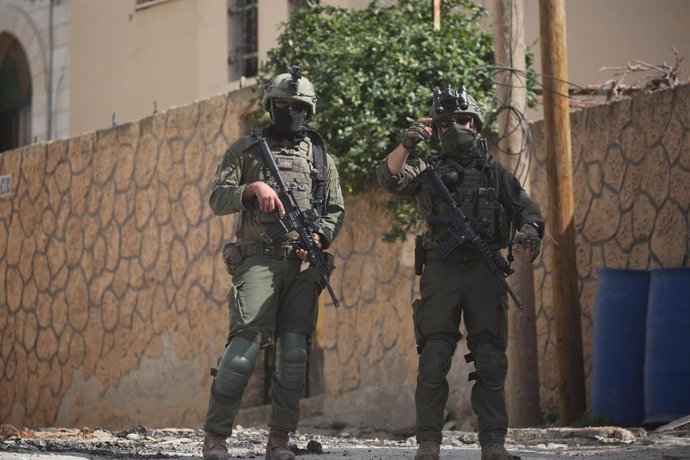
[456, 281]
[274, 297]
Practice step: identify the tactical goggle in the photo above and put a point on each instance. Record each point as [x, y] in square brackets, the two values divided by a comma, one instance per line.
[294, 106]
[448, 122]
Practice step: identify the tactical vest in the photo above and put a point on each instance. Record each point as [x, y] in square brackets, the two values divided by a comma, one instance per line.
[303, 168]
[475, 188]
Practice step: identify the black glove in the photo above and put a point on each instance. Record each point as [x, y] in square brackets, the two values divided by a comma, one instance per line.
[415, 134]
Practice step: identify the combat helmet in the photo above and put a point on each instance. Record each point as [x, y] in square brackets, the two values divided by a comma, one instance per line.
[291, 86]
[451, 103]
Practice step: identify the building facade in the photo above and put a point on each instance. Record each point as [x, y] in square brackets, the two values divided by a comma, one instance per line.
[73, 66]
[34, 71]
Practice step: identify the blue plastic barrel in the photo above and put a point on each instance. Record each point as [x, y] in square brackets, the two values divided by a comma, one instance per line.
[620, 309]
[667, 354]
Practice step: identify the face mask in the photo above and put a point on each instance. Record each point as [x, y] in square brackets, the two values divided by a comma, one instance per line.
[288, 120]
[459, 142]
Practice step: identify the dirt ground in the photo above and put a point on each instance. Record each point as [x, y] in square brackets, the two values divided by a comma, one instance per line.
[601, 443]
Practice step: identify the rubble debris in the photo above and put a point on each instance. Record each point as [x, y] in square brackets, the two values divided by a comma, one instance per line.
[248, 442]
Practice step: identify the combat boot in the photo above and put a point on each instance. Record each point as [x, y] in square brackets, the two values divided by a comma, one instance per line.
[496, 451]
[214, 447]
[428, 450]
[277, 446]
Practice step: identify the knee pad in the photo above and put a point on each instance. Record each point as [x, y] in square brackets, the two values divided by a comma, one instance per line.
[434, 363]
[492, 367]
[291, 360]
[235, 367]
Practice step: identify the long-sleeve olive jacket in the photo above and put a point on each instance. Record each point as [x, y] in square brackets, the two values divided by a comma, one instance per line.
[238, 168]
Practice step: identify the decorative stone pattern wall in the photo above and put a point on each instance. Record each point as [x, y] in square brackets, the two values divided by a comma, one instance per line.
[112, 290]
[631, 168]
[113, 294]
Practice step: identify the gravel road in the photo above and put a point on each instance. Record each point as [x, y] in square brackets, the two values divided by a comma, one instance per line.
[601, 443]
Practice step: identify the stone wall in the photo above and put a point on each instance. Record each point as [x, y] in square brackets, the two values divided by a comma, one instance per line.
[112, 291]
[631, 168]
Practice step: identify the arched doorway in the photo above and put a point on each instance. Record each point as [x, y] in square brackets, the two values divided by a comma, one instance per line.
[15, 94]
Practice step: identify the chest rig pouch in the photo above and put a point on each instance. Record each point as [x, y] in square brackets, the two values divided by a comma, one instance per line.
[475, 188]
[302, 167]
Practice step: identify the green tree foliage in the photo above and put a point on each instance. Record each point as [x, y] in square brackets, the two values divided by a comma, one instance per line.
[375, 70]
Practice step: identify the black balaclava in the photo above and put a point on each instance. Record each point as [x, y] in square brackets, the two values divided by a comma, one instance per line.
[459, 143]
[288, 124]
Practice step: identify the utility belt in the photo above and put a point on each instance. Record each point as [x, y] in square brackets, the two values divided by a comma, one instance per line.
[460, 254]
[465, 253]
[236, 252]
[255, 248]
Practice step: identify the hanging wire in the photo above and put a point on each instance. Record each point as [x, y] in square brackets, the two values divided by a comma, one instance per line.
[514, 122]
[522, 163]
[515, 117]
[544, 89]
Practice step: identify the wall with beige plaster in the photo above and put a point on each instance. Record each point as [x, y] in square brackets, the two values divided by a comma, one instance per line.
[112, 291]
[631, 168]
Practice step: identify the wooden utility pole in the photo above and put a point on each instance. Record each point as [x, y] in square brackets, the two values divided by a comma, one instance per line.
[561, 225]
[522, 386]
[436, 7]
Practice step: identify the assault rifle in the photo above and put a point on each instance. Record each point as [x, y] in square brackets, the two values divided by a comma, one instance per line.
[461, 231]
[305, 223]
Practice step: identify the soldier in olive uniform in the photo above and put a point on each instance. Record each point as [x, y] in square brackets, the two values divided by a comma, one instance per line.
[461, 284]
[274, 297]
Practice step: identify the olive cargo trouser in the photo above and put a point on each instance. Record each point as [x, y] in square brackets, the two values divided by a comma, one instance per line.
[270, 294]
[451, 290]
